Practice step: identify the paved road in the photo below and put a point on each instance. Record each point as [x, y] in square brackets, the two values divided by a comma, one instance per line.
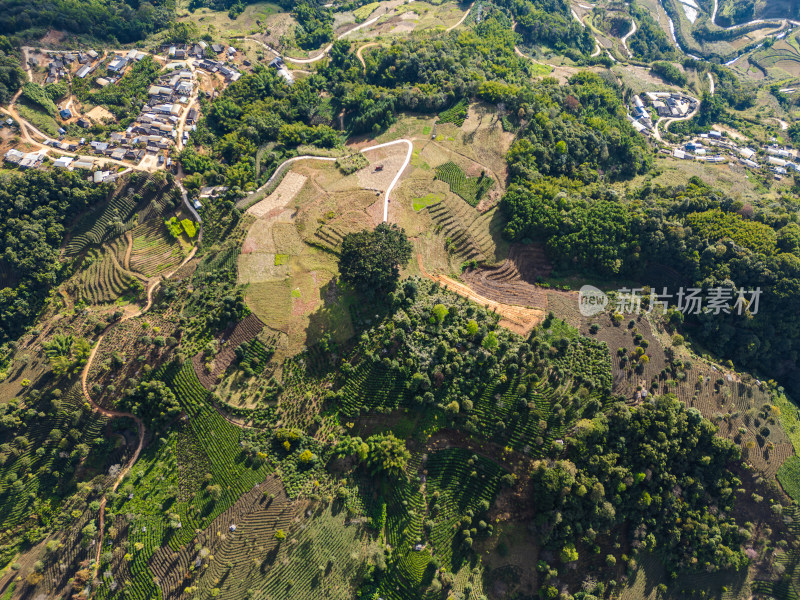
[399, 172]
[711, 83]
[668, 122]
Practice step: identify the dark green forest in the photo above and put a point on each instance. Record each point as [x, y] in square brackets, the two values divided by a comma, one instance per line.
[106, 20]
[707, 237]
[36, 210]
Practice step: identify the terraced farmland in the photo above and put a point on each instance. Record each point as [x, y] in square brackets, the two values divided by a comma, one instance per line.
[467, 233]
[116, 217]
[154, 251]
[104, 280]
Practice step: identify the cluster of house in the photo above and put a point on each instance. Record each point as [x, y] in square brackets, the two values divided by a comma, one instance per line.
[277, 63]
[61, 63]
[23, 160]
[115, 68]
[214, 66]
[780, 160]
[33, 160]
[199, 50]
[699, 153]
[669, 105]
[156, 127]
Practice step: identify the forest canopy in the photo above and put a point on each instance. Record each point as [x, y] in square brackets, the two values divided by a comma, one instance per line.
[102, 19]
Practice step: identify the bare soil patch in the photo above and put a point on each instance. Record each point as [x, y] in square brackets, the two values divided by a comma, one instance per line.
[513, 281]
[99, 114]
[286, 191]
[518, 319]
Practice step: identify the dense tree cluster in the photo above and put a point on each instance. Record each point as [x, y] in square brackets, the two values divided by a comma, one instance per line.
[381, 453]
[668, 72]
[260, 110]
[660, 470]
[370, 261]
[315, 25]
[11, 75]
[153, 401]
[34, 210]
[126, 98]
[597, 235]
[709, 238]
[103, 19]
[550, 22]
[649, 42]
[578, 131]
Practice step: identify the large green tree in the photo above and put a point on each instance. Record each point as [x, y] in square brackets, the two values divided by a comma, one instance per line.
[370, 260]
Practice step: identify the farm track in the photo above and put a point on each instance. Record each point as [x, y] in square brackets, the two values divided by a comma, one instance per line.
[324, 51]
[127, 260]
[360, 56]
[462, 19]
[141, 431]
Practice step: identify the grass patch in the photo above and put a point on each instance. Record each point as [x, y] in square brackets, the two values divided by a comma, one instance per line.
[39, 119]
[281, 259]
[296, 293]
[471, 189]
[352, 163]
[420, 203]
[540, 70]
[426, 130]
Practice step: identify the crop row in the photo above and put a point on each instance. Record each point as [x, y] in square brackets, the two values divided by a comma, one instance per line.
[113, 219]
[153, 251]
[470, 189]
[103, 281]
[456, 114]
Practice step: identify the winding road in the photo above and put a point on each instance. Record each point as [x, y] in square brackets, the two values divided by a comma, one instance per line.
[322, 53]
[767, 22]
[624, 39]
[326, 49]
[289, 161]
[141, 432]
[668, 122]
